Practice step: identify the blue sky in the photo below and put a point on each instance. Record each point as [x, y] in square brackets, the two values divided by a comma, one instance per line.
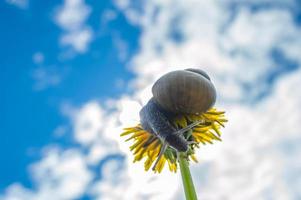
[29, 116]
[74, 72]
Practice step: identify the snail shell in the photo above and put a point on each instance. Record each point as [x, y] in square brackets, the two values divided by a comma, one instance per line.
[187, 91]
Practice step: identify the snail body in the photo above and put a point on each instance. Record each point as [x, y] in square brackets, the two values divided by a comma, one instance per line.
[187, 91]
[155, 120]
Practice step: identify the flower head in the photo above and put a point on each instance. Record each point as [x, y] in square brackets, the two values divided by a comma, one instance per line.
[147, 146]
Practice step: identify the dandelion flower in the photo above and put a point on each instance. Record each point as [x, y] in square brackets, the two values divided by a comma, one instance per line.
[146, 146]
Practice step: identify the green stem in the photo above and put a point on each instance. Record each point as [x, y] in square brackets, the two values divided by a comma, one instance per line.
[186, 177]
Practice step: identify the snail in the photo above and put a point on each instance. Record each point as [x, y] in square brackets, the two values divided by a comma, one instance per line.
[188, 91]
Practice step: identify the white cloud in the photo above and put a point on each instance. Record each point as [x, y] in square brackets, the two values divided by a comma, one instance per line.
[88, 123]
[23, 4]
[46, 77]
[236, 49]
[73, 14]
[133, 183]
[248, 164]
[38, 58]
[79, 39]
[59, 175]
[95, 129]
[108, 16]
[72, 17]
[122, 48]
[60, 131]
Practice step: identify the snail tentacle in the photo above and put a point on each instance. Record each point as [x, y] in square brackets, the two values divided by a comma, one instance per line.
[190, 126]
[161, 153]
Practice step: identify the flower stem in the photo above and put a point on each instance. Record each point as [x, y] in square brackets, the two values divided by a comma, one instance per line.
[186, 177]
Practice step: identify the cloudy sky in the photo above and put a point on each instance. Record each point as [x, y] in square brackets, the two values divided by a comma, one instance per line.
[74, 72]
